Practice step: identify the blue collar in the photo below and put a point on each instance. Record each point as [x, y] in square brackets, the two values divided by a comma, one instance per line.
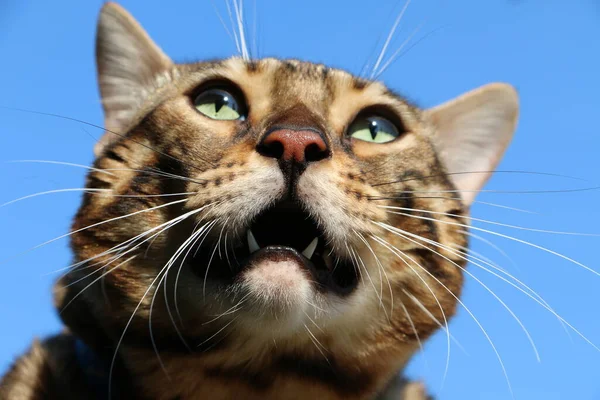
[94, 369]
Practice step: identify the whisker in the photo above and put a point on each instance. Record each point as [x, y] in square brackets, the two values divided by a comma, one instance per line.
[420, 178]
[93, 282]
[374, 72]
[506, 237]
[492, 245]
[488, 338]
[114, 358]
[163, 281]
[416, 333]
[233, 27]
[317, 344]
[422, 307]
[47, 114]
[164, 226]
[586, 189]
[405, 235]
[411, 197]
[52, 192]
[202, 238]
[222, 21]
[232, 310]
[381, 269]
[192, 239]
[207, 269]
[239, 14]
[395, 54]
[219, 331]
[401, 255]
[62, 163]
[88, 227]
[529, 292]
[492, 222]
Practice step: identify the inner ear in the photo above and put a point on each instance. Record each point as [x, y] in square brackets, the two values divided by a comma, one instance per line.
[472, 133]
[130, 67]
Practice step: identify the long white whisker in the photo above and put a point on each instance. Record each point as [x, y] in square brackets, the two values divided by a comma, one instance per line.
[29, 196]
[222, 21]
[233, 27]
[166, 225]
[239, 14]
[493, 222]
[91, 226]
[523, 288]
[317, 344]
[381, 270]
[401, 255]
[202, 238]
[421, 306]
[219, 331]
[492, 245]
[232, 310]
[158, 275]
[194, 237]
[493, 346]
[62, 163]
[389, 38]
[506, 237]
[414, 329]
[207, 269]
[395, 54]
[404, 234]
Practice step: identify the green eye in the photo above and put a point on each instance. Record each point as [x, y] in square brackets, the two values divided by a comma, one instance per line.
[373, 129]
[219, 104]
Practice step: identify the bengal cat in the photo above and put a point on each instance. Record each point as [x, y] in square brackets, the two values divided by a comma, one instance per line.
[261, 229]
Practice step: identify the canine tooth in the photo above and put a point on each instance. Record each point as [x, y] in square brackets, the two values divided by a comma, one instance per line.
[252, 244]
[310, 249]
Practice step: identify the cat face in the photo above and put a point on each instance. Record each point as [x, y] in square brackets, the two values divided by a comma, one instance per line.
[242, 203]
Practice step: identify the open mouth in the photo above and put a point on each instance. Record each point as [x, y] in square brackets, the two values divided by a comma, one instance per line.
[282, 232]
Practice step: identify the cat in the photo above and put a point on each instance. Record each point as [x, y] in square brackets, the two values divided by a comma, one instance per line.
[261, 229]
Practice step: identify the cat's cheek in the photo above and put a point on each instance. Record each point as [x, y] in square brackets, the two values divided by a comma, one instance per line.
[280, 289]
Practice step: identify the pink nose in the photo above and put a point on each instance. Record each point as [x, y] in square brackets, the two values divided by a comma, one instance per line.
[301, 146]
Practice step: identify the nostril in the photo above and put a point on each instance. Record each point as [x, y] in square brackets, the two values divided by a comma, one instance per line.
[272, 149]
[315, 152]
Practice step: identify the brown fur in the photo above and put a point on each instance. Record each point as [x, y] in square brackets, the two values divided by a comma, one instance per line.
[359, 350]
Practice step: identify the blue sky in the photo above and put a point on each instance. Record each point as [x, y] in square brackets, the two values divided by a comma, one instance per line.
[550, 50]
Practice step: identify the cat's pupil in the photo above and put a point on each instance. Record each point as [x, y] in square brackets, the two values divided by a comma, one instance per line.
[373, 129]
[220, 101]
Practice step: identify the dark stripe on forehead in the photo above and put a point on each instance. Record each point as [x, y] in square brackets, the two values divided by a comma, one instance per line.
[359, 83]
[290, 66]
[253, 66]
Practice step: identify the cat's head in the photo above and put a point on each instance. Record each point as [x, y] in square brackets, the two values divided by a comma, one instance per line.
[273, 204]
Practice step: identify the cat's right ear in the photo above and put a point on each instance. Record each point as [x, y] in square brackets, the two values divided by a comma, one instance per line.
[129, 66]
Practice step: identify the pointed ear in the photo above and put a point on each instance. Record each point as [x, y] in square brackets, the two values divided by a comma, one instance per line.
[129, 68]
[472, 133]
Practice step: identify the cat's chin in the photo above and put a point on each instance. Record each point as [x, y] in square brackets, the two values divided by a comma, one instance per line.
[279, 283]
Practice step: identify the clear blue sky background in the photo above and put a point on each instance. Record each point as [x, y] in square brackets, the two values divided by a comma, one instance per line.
[550, 50]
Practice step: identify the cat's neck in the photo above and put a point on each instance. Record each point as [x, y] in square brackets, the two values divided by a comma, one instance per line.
[218, 375]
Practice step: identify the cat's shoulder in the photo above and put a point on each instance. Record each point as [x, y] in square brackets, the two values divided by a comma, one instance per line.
[50, 370]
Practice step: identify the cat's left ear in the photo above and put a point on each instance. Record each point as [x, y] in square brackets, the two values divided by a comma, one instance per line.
[472, 133]
[130, 66]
